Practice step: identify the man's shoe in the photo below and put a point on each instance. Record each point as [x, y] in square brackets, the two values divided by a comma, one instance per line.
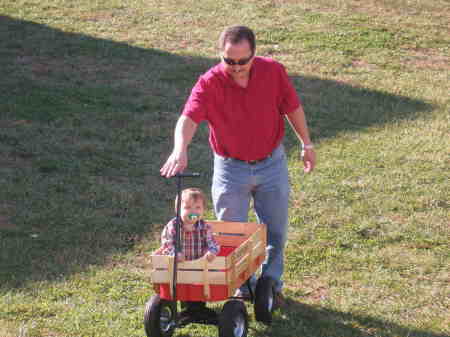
[278, 300]
[241, 294]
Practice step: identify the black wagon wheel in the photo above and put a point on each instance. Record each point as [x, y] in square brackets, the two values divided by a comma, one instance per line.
[159, 317]
[233, 320]
[264, 300]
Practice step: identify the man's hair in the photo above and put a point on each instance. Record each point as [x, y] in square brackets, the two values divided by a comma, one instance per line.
[236, 34]
[194, 194]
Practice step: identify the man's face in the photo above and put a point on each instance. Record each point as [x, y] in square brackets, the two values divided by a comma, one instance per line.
[235, 54]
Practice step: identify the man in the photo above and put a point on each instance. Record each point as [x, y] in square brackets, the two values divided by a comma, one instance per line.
[244, 100]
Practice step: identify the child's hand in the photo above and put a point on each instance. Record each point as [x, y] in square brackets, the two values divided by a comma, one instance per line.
[159, 251]
[180, 257]
[210, 256]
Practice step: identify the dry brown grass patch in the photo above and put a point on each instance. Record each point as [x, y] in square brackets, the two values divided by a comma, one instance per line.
[100, 15]
[311, 288]
[427, 59]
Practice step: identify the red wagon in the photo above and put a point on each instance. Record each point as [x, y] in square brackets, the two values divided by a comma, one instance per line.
[243, 250]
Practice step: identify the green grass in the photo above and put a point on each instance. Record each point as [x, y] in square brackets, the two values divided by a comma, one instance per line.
[90, 92]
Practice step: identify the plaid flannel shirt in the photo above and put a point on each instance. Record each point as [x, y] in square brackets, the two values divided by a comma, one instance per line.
[194, 244]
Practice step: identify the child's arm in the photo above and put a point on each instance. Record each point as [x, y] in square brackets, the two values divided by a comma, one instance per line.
[168, 239]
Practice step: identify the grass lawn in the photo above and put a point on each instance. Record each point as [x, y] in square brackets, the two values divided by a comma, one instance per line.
[89, 95]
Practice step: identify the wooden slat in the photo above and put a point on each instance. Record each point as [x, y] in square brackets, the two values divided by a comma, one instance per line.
[259, 248]
[263, 236]
[234, 227]
[189, 277]
[242, 264]
[229, 241]
[231, 274]
[228, 261]
[233, 233]
[241, 250]
[248, 250]
[206, 290]
[170, 273]
[162, 261]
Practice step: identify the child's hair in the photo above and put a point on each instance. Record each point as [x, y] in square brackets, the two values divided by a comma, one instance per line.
[194, 194]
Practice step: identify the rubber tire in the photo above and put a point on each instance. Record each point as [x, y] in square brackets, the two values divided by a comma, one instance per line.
[233, 311]
[264, 300]
[152, 317]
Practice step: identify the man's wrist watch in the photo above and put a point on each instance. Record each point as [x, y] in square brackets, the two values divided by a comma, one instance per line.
[309, 146]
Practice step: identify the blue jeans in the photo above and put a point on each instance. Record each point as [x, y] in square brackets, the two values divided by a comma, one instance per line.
[267, 182]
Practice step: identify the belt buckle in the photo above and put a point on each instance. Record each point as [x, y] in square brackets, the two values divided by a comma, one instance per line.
[253, 162]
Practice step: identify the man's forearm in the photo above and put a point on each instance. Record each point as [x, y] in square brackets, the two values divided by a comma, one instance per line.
[184, 131]
[298, 123]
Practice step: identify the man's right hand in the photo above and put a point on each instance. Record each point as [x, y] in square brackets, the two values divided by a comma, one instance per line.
[178, 159]
[176, 163]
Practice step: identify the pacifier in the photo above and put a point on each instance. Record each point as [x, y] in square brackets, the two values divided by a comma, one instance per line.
[194, 216]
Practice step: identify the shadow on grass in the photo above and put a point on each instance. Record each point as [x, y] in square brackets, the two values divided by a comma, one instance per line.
[298, 319]
[85, 124]
[333, 107]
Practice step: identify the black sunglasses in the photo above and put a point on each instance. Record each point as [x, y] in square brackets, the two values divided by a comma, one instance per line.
[240, 62]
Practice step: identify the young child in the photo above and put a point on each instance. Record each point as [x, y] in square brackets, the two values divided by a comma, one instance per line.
[196, 236]
[196, 241]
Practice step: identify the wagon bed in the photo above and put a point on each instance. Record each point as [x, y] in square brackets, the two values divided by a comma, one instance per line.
[242, 251]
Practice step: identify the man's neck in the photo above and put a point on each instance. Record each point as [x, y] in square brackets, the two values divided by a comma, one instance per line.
[242, 81]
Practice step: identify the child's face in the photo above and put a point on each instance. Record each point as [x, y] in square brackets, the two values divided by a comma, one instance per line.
[191, 211]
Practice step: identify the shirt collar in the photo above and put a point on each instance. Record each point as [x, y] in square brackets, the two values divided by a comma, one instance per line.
[199, 224]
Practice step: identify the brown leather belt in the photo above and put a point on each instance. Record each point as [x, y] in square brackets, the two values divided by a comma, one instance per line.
[253, 162]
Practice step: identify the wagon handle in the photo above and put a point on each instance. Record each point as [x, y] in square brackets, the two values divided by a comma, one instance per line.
[179, 177]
